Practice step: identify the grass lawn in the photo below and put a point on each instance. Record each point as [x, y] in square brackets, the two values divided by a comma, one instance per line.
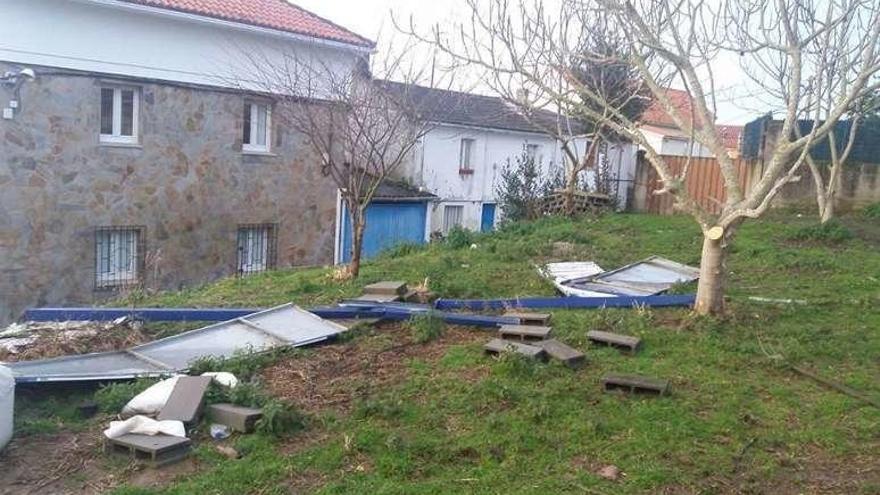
[440, 417]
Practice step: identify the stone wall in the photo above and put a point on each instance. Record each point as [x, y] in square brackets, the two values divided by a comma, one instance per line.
[188, 184]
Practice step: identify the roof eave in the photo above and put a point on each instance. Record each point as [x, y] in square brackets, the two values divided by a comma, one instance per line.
[240, 26]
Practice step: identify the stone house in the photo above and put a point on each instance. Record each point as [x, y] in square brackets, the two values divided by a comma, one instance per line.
[126, 161]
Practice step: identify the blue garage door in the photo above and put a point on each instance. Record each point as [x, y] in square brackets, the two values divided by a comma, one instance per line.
[388, 224]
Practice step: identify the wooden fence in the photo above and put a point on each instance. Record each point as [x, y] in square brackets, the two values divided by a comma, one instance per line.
[704, 183]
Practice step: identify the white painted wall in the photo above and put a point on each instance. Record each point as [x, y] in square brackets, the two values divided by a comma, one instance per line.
[435, 167]
[118, 38]
[673, 144]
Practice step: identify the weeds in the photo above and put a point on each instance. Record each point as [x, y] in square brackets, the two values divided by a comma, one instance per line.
[280, 419]
[460, 238]
[427, 327]
[113, 397]
[872, 211]
[832, 232]
[244, 364]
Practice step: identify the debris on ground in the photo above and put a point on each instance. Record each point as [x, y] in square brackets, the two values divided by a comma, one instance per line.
[186, 400]
[40, 340]
[570, 356]
[142, 425]
[237, 418]
[500, 346]
[228, 452]
[524, 332]
[625, 342]
[156, 451]
[651, 276]
[285, 325]
[636, 384]
[537, 319]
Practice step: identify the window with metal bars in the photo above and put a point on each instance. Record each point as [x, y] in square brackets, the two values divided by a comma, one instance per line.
[119, 256]
[256, 248]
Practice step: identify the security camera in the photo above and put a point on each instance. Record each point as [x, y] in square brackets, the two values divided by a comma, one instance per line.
[28, 74]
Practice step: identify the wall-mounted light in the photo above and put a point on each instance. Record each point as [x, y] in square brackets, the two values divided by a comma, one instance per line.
[15, 80]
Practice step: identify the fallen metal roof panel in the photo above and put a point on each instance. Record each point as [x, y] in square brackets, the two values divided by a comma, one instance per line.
[281, 326]
[644, 278]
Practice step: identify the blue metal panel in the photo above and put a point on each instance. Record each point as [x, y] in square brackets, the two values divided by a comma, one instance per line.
[388, 225]
[684, 300]
[487, 223]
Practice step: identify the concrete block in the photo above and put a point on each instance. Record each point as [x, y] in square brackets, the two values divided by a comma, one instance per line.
[524, 332]
[392, 288]
[239, 418]
[538, 319]
[498, 346]
[626, 342]
[572, 357]
[636, 384]
[156, 451]
[186, 400]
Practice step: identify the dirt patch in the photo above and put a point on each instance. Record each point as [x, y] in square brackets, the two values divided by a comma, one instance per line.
[74, 463]
[814, 472]
[334, 376]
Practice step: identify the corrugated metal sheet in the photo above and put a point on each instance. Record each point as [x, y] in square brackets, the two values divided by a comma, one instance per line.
[285, 325]
[648, 277]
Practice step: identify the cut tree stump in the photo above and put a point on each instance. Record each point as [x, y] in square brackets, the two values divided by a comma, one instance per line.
[387, 288]
[572, 357]
[537, 319]
[524, 332]
[636, 384]
[626, 342]
[238, 418]
[156, 450]
[498, 346]
[186, 399]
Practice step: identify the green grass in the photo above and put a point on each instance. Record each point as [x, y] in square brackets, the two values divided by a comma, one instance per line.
[737, 420]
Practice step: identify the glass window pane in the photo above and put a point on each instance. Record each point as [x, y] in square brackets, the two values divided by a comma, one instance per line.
[247, 123]
[262, 114]
[127, 112]
[107, 111]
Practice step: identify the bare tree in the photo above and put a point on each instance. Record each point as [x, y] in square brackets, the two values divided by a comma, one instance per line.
[362, 127]
[527, 44]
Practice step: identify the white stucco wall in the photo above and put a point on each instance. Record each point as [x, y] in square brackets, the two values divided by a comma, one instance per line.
[435, 167]
[117, 38]
[672, 143]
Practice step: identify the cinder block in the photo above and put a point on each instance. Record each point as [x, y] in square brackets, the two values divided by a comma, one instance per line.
[636, 384]
[537, 319]
[238, 418]
[186, 399]
[524, 332]
[155, 451]
[497, 346]
[625, 342]
[389, 288]
[572, 357]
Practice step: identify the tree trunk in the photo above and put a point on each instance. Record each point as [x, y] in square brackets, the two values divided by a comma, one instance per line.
[710, 291]
[358, 225]
[570, 188]
[826, 211]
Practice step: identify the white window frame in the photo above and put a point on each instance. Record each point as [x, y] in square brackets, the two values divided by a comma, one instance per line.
[117, 137]
[466, 154]
[258, 148]
[446, 226]
[118, 273]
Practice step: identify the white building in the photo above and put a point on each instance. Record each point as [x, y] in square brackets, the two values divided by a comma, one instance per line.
[472, 139]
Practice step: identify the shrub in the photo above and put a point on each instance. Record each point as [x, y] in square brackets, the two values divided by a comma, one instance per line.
[426, 327]
[244, 364]
[113, 397]
[521, 187]
[279, 419]
[459, 238]
[872, 211]
[830, 232]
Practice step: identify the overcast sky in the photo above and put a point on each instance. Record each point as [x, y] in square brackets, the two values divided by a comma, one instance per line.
[372, 18]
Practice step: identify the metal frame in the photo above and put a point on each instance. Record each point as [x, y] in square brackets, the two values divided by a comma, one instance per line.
[140, 255]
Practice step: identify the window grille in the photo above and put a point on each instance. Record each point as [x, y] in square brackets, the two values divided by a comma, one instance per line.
[256, 248]
[119, 256]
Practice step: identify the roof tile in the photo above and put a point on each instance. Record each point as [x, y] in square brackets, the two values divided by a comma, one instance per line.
[272, 14]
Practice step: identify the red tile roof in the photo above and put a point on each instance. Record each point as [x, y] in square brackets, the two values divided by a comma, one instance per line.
[656, 115]
[272, 14]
